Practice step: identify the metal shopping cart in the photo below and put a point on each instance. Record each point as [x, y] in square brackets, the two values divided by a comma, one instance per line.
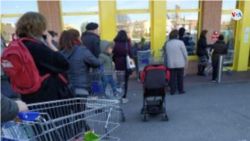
[143, 59]
[109, 85]
[227, 62]
[209, 67]
[65, 120]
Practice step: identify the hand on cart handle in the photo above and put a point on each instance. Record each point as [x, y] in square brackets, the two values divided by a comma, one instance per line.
[21, 106]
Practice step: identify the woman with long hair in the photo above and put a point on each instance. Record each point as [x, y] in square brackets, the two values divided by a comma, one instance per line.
[80, 60]
[202, 53]
[122, 48]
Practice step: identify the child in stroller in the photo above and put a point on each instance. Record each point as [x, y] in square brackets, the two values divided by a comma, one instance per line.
[155, 80]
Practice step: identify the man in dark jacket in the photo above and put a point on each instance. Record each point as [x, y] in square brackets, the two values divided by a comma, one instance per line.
[182, 31]
[91, 39]
[218, 48]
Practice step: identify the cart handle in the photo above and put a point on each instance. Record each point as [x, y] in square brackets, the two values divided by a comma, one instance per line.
[28, 116]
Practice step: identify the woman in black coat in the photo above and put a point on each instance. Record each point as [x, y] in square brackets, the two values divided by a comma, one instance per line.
[47, 59]
[202, 53]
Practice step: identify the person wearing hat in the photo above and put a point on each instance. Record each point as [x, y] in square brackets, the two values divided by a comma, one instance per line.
[91, 38]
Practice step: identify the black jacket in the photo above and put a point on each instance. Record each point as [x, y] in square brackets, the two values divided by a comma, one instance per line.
[219, 48]
[92, 42]
[202, 46]
[47, 61]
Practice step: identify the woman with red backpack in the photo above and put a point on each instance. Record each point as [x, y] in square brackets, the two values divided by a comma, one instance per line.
[37, 71]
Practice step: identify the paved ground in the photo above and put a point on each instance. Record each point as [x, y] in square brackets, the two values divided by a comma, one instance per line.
[206, 112]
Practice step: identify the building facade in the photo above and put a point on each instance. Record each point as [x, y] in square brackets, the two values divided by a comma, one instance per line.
[151, 20]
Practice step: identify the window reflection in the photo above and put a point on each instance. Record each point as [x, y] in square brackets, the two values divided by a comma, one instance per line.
[9, 28]
[188, 20]
[176, 5]
[80, 6]
[18, 7]
[136, 25]
[125, 5]
[79, 22]
[227, 5]
[227, 29]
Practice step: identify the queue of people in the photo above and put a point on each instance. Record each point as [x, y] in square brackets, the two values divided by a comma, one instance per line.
[63, 65]
[176, 53]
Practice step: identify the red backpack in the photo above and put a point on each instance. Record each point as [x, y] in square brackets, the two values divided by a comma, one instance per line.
[19, 65]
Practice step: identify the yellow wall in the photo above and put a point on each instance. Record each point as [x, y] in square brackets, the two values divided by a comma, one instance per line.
[107, 10]
[241, 46]
[158, 25]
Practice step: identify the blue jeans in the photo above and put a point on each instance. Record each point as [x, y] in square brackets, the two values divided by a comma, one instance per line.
[108, 79]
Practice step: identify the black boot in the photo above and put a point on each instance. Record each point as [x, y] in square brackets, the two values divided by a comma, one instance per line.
[199, 70]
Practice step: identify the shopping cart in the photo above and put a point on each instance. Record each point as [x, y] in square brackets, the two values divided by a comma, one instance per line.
[143, 59]
[65, 120]
[209, 67]
[109, 85]
[227, 62]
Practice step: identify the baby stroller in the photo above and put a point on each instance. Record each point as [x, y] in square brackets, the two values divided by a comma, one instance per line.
[155, 79]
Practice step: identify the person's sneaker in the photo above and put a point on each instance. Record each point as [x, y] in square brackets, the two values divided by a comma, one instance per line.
[116, 94]
[125, 100]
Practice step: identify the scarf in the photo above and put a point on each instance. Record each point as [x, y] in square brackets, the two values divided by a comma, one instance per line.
[76, 42]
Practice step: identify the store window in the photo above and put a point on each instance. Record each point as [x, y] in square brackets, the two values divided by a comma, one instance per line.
[11, 12]
[128, 5]
[79, 6]
[188, 20]
[229, 4]
[136, 25]
[227, 28]
[18, 7]
[79, 22]
[175, 4]
[178, 17]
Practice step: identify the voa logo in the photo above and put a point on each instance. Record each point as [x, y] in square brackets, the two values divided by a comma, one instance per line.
[236, 14]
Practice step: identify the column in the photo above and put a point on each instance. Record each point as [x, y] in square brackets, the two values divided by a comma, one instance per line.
[211, 17]
[242, 40]
[158, 25]
[107, 13]
[51, 10]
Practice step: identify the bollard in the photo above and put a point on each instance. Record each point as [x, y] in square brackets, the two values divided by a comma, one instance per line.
[220, 69]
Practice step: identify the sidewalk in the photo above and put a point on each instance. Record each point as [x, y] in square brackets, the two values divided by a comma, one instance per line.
[207, 112]
[194, 80]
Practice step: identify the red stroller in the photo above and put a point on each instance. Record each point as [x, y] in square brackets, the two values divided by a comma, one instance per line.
[155, 80]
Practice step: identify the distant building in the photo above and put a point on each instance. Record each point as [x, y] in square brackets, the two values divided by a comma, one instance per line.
[8, 30]
[70, 26]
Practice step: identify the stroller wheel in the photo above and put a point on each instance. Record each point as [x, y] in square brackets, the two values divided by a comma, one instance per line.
[145, 117]
[165, 117]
